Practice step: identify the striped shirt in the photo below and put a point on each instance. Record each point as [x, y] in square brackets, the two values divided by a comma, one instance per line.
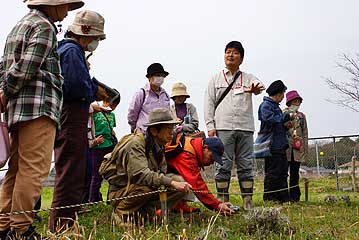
[31, 76]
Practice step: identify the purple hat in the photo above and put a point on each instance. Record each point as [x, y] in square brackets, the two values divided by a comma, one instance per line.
[216, 146]
[291, 95]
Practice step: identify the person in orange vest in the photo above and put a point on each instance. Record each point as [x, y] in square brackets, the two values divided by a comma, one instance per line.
[188, 160]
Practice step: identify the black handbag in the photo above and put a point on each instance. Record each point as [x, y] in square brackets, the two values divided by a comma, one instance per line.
[114, 139]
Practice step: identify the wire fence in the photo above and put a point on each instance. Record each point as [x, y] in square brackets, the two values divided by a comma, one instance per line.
[328, 157]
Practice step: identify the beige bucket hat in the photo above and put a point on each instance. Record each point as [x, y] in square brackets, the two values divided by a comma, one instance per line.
[179, 89]
[73, 4]
[88, 23]
[160, 116]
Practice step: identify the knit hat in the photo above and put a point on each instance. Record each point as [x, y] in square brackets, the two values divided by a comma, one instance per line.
[276, 87]
[216, 146]
[88, 23]
[179, 89]
[291, 95]
[73, 4]
[160, 116]
[155, 68]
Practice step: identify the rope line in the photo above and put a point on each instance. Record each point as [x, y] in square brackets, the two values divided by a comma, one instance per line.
[82, 204]
[135, 196]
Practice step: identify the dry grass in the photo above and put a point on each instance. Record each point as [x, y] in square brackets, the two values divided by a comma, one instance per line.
[315, 219]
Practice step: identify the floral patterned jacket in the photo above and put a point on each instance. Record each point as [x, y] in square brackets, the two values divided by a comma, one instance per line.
[299, 130]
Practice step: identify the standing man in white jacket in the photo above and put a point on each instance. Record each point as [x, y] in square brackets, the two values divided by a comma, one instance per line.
[229, 115]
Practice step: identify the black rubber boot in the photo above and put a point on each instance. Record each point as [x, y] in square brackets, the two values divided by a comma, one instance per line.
[222, 191]
[247, 193]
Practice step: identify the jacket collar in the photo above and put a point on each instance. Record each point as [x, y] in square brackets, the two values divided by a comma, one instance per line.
[268, 99]
[46, 17]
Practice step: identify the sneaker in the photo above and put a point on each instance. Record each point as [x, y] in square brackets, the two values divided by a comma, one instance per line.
[3, 234]
[29, 234]
[182, 206]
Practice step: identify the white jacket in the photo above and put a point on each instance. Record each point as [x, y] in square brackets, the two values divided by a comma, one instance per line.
[235, 112]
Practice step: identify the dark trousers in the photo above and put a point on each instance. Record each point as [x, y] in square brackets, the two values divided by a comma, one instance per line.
[86, 193]
[275, 178]
[294, 192]
[70, 163]
[96, 178]
[38, 204]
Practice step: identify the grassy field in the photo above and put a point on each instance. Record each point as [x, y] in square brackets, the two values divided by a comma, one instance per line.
[315, 219]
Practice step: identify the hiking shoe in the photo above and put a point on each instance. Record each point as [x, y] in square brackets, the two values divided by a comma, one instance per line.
[182, 206]
[29, 234]
[3, 234]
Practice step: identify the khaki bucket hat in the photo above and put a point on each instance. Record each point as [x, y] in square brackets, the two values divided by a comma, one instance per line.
[179, 89]
[88, 23]
[160, 116]
[73, 4]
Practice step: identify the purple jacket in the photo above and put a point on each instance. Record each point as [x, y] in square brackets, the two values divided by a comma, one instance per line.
[139, 109]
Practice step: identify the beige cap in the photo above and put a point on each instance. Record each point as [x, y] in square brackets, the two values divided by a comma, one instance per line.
[160, 116]
[179, 89]
[73, 4]
[88, 23]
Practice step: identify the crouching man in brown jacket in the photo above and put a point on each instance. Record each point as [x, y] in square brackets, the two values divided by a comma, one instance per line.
[141, 168]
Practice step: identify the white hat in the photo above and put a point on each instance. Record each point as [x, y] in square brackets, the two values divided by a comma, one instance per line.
[73, 4]
[88, 23]
[179, 89]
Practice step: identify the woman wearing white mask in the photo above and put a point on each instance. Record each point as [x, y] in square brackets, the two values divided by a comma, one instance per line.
[79, 91]
[298, 142]
[148, 98]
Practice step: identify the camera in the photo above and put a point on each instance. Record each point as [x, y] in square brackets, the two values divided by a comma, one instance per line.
[235, 208]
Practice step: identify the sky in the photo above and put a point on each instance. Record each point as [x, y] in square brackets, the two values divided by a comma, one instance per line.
[297, 41]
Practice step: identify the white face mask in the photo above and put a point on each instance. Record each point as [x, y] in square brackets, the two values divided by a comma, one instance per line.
[158, 81]
[294, 108]
[92, 45]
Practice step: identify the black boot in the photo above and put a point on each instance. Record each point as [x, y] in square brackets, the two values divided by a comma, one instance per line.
[247, 192]
[29, 234]
[3, 234]
[222, 191]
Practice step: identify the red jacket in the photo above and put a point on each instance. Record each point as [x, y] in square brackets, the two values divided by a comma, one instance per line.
[188, 164]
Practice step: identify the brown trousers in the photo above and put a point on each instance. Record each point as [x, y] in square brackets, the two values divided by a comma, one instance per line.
[32, 143]
[70, 164]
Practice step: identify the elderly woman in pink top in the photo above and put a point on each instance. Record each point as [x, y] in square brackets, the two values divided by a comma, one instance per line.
[148, 98]
[298, 142]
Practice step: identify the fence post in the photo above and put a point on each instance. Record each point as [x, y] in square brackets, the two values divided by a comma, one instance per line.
[306, 188]
[354, 158]
[317, 153]
[336, 163]
[163, 200]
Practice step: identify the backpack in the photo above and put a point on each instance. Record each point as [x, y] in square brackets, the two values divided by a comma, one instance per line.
[108, 168]
[179, 143]
[144, 96]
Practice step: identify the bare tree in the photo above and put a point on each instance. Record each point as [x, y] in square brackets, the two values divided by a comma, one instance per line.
[349, 89]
